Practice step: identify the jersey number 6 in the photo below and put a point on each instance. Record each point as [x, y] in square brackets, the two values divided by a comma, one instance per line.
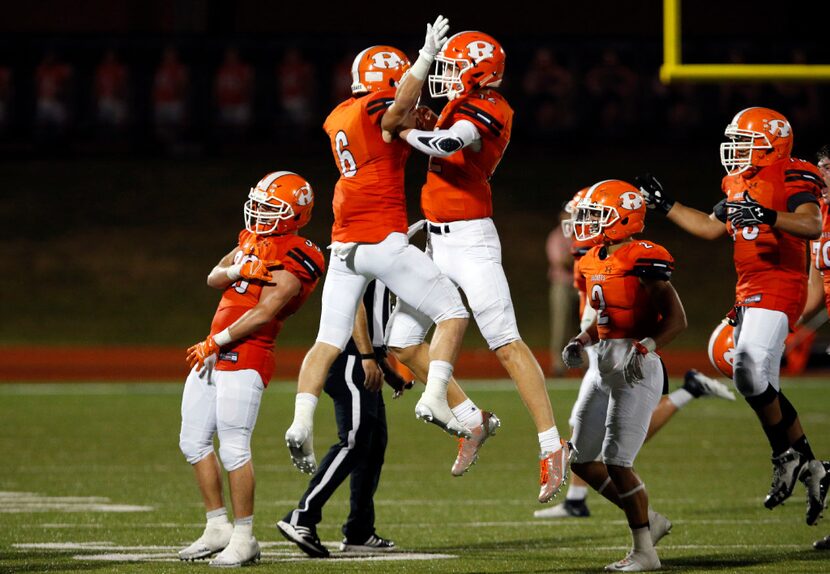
[348, 165]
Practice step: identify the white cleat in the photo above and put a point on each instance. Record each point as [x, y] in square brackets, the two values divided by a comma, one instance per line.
[300, 442]
[699, 385]
[468, 447]
[213, 540]
[241, 550]
[636, 562]
[433, 410]
[553, 471]
[658, 526]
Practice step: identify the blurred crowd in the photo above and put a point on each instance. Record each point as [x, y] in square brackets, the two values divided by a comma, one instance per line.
[173, 100]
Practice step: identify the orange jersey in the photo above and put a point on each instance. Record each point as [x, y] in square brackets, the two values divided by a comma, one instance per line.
[458, 186]
[772, 264]
[821, 251]
[300, 257]
[612, 284]
[369, 201]
[578, 249]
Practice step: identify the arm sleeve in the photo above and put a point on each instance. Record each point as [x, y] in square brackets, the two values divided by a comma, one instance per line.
[442, 143]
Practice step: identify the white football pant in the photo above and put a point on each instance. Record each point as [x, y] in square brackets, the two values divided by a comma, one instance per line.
[406, 270]
[470, 255]
[613, 418]
[759, 346]
[225, 403]
[590, 378]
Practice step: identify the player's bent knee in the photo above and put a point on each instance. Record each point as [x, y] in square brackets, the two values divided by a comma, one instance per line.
[234, 454]
[195, 450]
[745, 374]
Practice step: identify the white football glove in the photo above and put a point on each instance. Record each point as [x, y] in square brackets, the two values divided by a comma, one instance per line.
[632, 364]
[572, 354]
[207, 367]
[436, 37]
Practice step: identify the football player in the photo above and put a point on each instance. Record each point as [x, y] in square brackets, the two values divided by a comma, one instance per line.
[771, 210]
[637, 312]
[695, 384]
[369, 236]
[264, 279]
[465, 145]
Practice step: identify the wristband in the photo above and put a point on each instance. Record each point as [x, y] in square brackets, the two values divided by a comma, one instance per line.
[234, 272]
[367, 356]
[222, 338]
[420, 68]
[645, 346]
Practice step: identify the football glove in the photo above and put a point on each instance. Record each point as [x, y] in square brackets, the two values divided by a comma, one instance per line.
[436, 37]
[393, 379]
[632, 365]
[202, 356]
[749, 212]
[572, 353]
[653, 193]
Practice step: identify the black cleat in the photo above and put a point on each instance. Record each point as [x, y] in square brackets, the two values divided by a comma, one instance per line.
[304, 537]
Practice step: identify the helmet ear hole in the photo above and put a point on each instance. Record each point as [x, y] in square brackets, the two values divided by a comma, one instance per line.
[624, 221]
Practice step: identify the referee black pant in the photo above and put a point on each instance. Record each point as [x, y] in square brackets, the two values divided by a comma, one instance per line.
[361, 427]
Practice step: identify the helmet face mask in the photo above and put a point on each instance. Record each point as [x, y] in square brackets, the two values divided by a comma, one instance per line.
[610, 211]
[468, 61]
[592, 219]
[757, 137]
[280, 203]
[446, 82]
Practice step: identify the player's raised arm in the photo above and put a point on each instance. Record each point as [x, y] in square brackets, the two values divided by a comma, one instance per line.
[694, 221]
[409, 91]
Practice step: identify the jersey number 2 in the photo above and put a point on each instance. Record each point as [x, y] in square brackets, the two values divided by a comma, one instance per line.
[597, 295]
[348, 165]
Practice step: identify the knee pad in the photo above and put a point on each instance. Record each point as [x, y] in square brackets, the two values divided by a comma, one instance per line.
[746, 374]
[234, 449]
[194, 449]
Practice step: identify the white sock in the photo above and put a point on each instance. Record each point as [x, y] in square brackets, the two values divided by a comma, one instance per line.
[438, 378]
[549, 440]
[304, 406]
[681, 397]
[217, 517]
[468, 414]
[576, 492]
[642, 539]
[244, 526]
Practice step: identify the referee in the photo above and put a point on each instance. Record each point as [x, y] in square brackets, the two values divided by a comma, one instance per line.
[354, 383]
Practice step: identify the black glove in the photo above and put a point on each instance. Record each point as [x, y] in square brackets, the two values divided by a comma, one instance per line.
[653, 193]
[393, 379]
[749, 212]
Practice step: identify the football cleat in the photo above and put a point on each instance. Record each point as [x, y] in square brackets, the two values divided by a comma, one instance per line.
[305, 538]
[553, 471]
[658, 526]
[468, 447]
[785, 471]
[300, 442]
[433, 410]
[212, 541]
[372, 544]
[567, 509]
[636, 561]
[242, 549]
[699, 385]
[816, 479]
[823, 544]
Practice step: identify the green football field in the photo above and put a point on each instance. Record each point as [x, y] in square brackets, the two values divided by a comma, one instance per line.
[92, 481]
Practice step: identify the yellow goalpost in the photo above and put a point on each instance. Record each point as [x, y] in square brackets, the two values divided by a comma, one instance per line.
[673, 69]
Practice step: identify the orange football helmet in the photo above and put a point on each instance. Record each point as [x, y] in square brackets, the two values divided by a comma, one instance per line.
[722, 348]
[378, 68]
[757, 137]
[610, 211]
[468, 61]
[280, 203]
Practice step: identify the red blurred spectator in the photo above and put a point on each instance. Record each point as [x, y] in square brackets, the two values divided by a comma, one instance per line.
[111, 91]
[551, 90]
[296, 84]
[52, 87]
[233, 90]
[170, 88]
